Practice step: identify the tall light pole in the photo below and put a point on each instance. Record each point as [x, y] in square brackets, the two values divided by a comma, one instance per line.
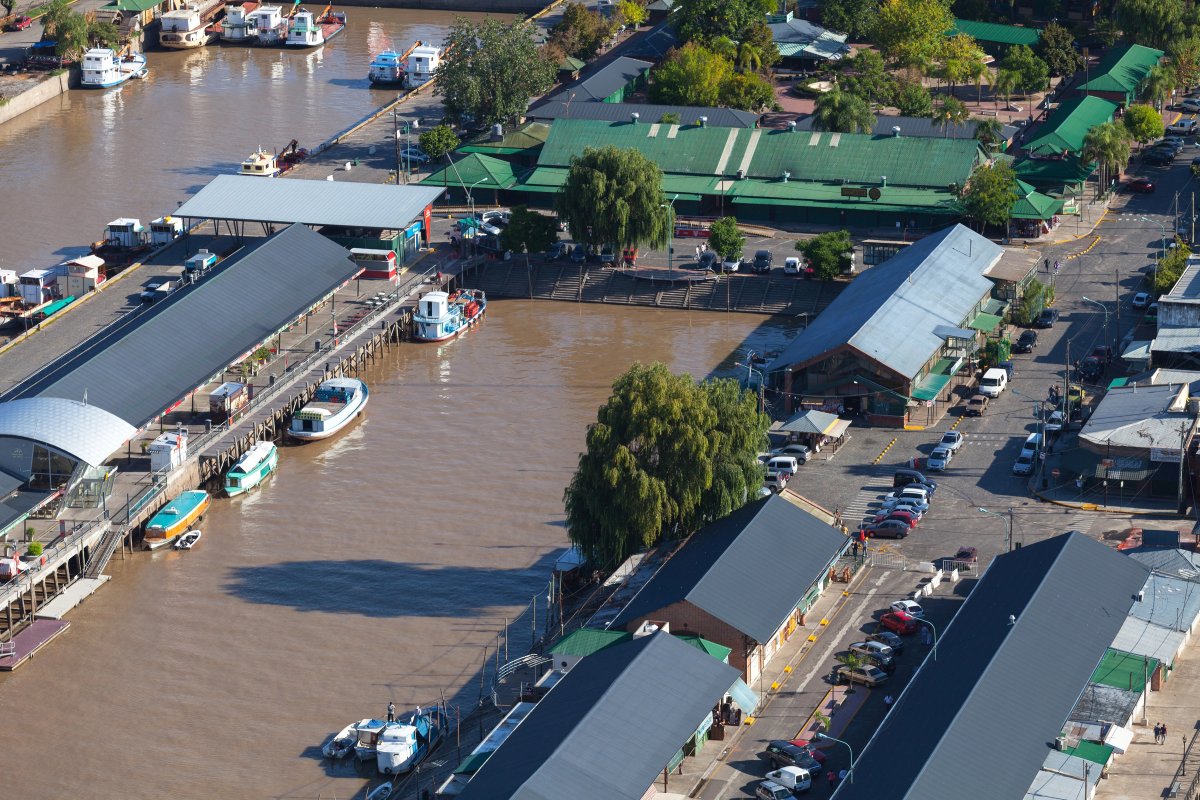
[935, 633]
[1103, 308]
[827, 738]
[408, 126]
[762, 381]
[670, 235]
[1007, 520]
[1157, 253]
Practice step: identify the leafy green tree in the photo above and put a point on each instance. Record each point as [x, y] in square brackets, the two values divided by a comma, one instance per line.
[757, 37]
[438, 141]
[990, 194]
[1157, 85]
[1031, 72]
[910, 32]
[962, 60]
[971, 9]
[633, 14]
[836, 110]
[67, 28]
[1057, 49]
[747, 91]
[490, 70]
[829, 254]
[664, 456]
[725, 239]
[1185, 61]
[1143, 123]
[528, 231]
[855, 18]
[691, 75]
[951, 112]
[1151, 22]
[1170, 268]
[581, 31]
[866, 75]
[1106, 32]
[614, 196]
[669, 118]
[1033, 300]
[704, 20]
[988, 130]
[1108, 146]
[914, 100]
[1004, 84]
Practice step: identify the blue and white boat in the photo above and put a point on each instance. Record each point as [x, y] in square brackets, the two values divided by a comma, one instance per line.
[442, 316]
[175, 518]
[367, 733]
[254, 467]
[334, 405]
[404, 745]
[102, 68]
[387, 69]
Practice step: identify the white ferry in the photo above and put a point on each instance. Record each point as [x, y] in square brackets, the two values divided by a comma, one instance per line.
[103, 68]
[442, 316]
[334, 406]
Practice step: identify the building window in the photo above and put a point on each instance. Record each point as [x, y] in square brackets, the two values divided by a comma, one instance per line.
[50, 469]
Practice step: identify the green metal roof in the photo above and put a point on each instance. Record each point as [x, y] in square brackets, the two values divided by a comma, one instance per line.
[994, 32]
[1053, 172]
[1091, 751]
[1066, 127]
[472, 763]
[761, 153]
[985, 323]
[133, 5]
[474, 170]
[530, 137]
[930, 386]
[717, 651]
[586, 641]
[1123, 69]
[1122, 670]
[1033, 204]
[819, 195]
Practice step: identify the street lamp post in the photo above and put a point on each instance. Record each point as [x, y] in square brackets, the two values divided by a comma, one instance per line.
[827, 738]
[408, 126]
[670, 235]
[935, 634]
[1159, 252]
[762, 381]
[1103, 308]
[1007, 519]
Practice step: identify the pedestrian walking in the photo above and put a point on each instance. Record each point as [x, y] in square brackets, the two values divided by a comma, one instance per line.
[831, 776]
[887, 700]
[1157, 732]
[391, 712]
[841, 775]
[1164, 733]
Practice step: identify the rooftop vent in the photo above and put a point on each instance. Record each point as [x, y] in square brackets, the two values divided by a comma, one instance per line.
[703, 121]
[786, 175]
[792, 126]
[634, 117]
[896, 130]
[741, 174]
[497, 131]
[883, 180]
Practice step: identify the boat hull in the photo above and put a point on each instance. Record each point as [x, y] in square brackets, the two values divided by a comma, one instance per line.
[158, 544]
[427, 337]
[164, 528]
[249, 481]
[334, 424]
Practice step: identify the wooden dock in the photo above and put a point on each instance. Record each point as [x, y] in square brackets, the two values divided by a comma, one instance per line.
[31, 639]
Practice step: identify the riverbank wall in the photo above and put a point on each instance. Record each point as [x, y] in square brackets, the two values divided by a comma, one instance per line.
[50, 88]
[492, 6]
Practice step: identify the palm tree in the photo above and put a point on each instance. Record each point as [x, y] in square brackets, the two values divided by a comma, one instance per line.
[988, 130]
[1004, 85]
[1108, 146]
[1157, 85]
[749, 58]
[724, 46]
[844, 112]
[951, 111]
[978, 72]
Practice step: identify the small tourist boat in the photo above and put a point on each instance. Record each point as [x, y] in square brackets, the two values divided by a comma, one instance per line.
[309, 30]
[404, 745]
[422, 62]
[442, 316]
[381, 792]
[268, 25]
[387, 69]
[238, 25]
[188, 540]
[333, 406]
[102, 68]
[342, 743]
[366, 736]
[262, 163]
[254, 467]
[186, 27]
[175, 517]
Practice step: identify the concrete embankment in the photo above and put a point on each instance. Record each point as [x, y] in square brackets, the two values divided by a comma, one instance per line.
[493, 6]
[48, 89]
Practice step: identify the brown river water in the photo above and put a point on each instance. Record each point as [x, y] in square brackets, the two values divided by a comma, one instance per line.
[374, 566]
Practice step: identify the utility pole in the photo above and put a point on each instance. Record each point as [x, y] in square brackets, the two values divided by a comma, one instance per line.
[1010, 529]
[1183, 427]
[1067, 389]
[1117, 304]
[396, 140]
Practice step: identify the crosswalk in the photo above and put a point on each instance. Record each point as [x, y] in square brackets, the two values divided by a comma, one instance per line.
[1082, 521]
[863, 504]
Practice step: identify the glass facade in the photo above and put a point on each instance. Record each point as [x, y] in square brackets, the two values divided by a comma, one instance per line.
[50, 469]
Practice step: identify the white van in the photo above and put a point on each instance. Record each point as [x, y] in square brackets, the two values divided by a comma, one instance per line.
[783, 464]
[797, 779]
[1033, 443]
[993, 382]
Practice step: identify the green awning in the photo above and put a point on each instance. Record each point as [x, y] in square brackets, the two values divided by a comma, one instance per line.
[1091, 751]
[717, 651]
[984, 323]
[57, 305]
[930, 386]
[472, 763]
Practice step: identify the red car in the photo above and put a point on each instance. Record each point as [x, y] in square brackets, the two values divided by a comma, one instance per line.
[815, 753]
[899, 514]
[1140, 186]
[19, 23]
[899, 622]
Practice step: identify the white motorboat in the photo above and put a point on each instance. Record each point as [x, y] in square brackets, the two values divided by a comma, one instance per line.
[404, 745]
[367, 733]
[334, 406]
[268, 25]
[158, 544]
[342, 743]
[381, 792]
[103, 68]
[188, 540]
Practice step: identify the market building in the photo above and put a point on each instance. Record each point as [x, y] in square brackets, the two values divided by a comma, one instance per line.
[1119, 75]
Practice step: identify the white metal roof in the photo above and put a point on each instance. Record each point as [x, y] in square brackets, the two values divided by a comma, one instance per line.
[86, 432]
[1143, 638]
[352, 205]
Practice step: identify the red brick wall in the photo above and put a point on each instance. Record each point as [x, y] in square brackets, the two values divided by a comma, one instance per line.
[683, 617]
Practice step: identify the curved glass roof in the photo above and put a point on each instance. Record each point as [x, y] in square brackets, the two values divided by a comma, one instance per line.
[88, 433]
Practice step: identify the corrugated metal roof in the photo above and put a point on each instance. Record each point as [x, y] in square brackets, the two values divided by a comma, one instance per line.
[810, 421]
[1187, 288]
[586, 641]
[933, 282]
[808, 156]
[1015, 264]
[1053, 172]
[1143, 638]
[995, 32]
[925, 127]
[1068, 596]
[474, 170]
[772, 550]
[165, 352]
[287, 200]
[606, 81]
[1105, 703]
[1122, 69]
[1168, 601]
[1052, 786]
[1176, 340]
[800, 37]
[1136, 417]
[1172, 561]
[82, 430]
[621, 112]
[609, 726]
[1066, 126]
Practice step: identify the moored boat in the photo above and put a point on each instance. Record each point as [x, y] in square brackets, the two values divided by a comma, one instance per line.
[254, 467]
[265, 164]
[175, 517]
[342, 743]
[187, 27]
[309, 30]
[268, 25]
[102, 68]
[381, 792]
[404, 745]
[387, 69]
[422, 62]
[367, 733]
[188, 540]
[238, 26]
[333, 406]
[441, 316]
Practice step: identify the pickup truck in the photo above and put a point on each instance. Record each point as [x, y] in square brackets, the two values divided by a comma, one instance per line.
[156, 291]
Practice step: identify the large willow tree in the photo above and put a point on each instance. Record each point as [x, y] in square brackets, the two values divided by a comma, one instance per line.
[614, 196]
[665, 456]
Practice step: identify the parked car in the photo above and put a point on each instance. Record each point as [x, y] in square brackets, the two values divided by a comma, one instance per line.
[951, 440]
[1140, 186]
[578, 254]
[887, 529]
[1047, 318]
[869, 648]
[19, 23]
[885, 665]
[608, 255]
[896, 503]
[1025, 342]
[887, 637]
[1141, 300]
[1185, 127]
[793, 779]
[910, 492]
[800, 452]
[1104, 353]
[939, 459]
[1159, 158]
[903, 477]
[707, 261]
[993, 382]
[791, 266]
[1054, 422]
[898, 622]
[1091, 368]
[977, 405]
[967, 555]
[1023, 465]
[783, 464]
[771, 790]
[867, 676]
[909, 516]
[762, 261]
[816, 753]
[415, 155]
[782, 753]
[910, 607]
[775, 482]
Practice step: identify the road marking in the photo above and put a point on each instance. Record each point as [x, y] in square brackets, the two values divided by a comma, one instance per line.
[1082, 522]
[861, 506]
[879, 457]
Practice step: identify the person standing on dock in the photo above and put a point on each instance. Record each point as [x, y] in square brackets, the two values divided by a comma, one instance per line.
[391, 711]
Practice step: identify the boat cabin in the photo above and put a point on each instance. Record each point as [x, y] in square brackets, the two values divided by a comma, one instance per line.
[266, 23]
[168, 451]
[375, 263]
[38, 286]
[434, 305]
[125, 232]
[261, 163]
[83, 274]
[165, 230]
[183, 28]
[99, 66]
[10, 284]
[304, 30]
[421, 64]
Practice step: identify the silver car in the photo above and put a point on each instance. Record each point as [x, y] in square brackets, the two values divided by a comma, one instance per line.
[939, 459]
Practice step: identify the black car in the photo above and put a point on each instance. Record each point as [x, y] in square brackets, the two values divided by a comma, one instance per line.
[887, 665]
[707, 261]
[1160, 157]
[892, 640]
[1025, 342]
[1104, 353]
[1091, 368]
[786, 754]
[762, 261]
[1047, 318]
